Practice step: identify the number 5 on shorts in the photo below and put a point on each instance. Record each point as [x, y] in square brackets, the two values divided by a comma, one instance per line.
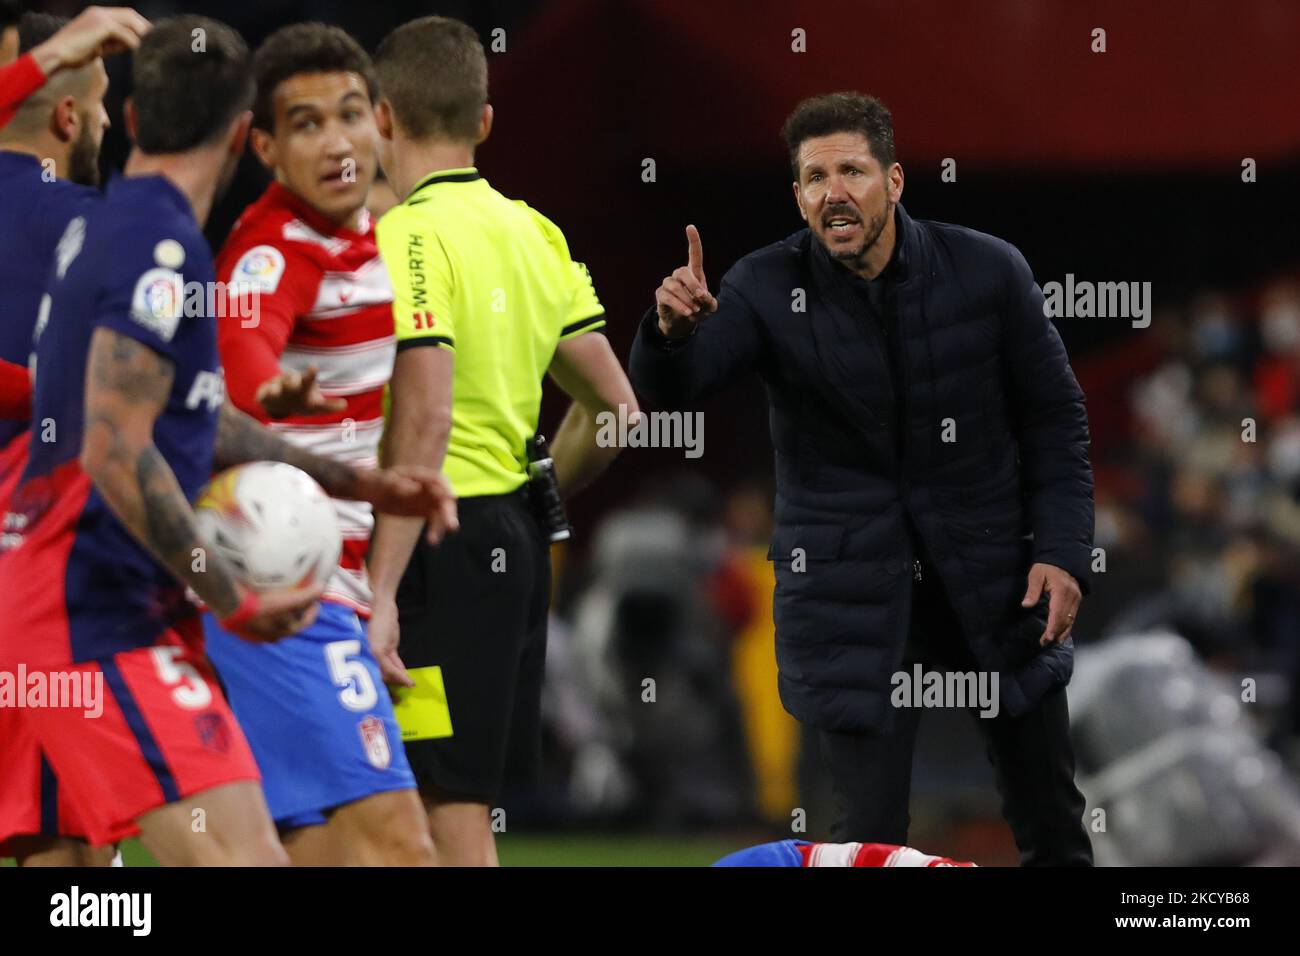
[358, 691]
[194, 693]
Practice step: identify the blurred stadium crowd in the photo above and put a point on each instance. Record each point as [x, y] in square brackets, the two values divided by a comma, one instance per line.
[1198, 487]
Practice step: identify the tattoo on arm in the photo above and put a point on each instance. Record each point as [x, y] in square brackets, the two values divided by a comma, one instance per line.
[240, 439]
[127, 387]
[134, 372]
[173, 536]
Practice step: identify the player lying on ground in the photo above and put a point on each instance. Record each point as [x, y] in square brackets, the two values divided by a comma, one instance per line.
[101, 538]
[803, 853]
[313, 705]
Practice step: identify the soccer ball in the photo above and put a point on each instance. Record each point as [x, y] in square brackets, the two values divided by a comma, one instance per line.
[272, 523]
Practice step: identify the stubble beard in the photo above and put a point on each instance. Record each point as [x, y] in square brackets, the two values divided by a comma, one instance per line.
[83, 160]
[856, 258]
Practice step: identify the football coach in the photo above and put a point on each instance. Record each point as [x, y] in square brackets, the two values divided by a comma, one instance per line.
[934, 497]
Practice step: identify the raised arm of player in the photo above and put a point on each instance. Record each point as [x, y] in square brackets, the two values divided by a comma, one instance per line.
[18, 80]
[95, 32]
[127, 387]
[589, 372]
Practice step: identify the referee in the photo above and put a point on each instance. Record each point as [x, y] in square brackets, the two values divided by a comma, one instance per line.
[486, 302]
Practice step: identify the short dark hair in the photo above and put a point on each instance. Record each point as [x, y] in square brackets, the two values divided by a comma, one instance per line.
[35, 28]
[11, 11]
[189, 85]
[434, 73]
[846, 112]
[305, 48]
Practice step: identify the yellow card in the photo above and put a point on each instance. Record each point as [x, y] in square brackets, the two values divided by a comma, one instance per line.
[422, 710]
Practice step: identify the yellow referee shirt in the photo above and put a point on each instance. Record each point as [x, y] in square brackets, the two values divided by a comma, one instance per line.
[491, 279]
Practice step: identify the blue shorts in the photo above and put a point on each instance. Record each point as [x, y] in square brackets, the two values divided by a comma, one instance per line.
[316, 713]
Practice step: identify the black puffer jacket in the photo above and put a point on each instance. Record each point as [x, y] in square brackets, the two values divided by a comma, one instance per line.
[980, 363]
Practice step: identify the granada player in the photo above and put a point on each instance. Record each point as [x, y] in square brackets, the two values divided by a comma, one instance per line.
[313, 706]
[58, 130]
[100, 539]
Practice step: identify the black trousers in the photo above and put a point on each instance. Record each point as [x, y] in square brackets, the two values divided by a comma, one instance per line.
[1031, 754]
[476, 606]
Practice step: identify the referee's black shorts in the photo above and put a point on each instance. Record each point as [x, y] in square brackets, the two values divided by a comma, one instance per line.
[476, 605]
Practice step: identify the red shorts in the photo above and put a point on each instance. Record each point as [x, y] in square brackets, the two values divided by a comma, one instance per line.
[151, 728]
[31, 801]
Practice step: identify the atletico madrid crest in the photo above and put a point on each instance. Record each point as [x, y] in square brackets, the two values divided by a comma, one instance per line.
[213, 732]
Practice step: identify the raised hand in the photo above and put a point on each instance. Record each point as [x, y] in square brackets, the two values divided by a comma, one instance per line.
[683, 298]
[96, 31]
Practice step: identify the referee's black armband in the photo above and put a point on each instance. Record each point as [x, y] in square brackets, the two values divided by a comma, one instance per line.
[582, 324]
[426, 340]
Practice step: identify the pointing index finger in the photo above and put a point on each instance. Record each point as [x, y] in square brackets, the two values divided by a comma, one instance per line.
[694, 252]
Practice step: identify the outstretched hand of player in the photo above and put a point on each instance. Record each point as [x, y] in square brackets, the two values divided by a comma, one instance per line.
[270, 615]
[96, 31]
[296, 393]
[683, 298]
[412, 491]
[384, 638]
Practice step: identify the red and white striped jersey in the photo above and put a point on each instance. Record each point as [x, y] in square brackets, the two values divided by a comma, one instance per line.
[304, 292]
[870, 854]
